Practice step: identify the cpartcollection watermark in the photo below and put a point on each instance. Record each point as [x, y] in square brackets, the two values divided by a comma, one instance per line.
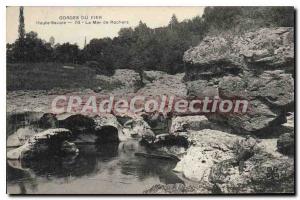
[144, 104]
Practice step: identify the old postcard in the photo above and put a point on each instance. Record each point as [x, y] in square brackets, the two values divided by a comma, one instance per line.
[150, 100]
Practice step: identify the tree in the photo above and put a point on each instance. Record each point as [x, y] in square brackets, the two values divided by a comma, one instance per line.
[66, 53]
[21, 29]
[142, 29]
[19, 49]
[100, 51]
[35, 49]
[142, 48]
[10, 57]
[52, 41]
[173, 22]
[138, 65]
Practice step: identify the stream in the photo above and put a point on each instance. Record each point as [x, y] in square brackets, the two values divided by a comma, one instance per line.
[110, 168]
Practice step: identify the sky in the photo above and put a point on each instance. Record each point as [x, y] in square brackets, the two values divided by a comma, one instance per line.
[40, 20]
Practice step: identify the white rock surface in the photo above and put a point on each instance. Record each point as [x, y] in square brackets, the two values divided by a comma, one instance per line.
[210, 147]
[184, 123]
[20, 136]
[138, 127]
[110, 120]
[34, 140]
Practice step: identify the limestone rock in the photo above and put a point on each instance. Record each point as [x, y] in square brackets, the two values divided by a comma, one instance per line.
[19, 119]
[202, 88]
[272, 175]
[108, 120]
[256, 66]
[272, 47]
[184, 123]
[269, 96]
[261, 173]
[166, 140]
[210, 147]
[158, 122]
[21, 136]
[274, 88]
[123, 79]
[213, 57]
[266, 48]
[47, 142]
[225, 176]
[212, 50]
[137, 127]
[178, 188]
[150, 76]
[165, 85]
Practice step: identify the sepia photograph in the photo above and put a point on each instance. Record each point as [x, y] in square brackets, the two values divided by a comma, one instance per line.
[150, 100]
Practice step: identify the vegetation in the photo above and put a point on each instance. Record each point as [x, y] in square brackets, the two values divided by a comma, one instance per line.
[46, 76]
[241, 19]
[142, 48]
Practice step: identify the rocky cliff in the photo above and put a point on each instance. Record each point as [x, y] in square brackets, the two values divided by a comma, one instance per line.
[254, 153]
[256, 66]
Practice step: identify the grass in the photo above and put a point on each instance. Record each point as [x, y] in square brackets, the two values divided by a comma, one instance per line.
[46, 76]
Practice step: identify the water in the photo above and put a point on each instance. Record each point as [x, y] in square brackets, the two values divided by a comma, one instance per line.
[98, 169]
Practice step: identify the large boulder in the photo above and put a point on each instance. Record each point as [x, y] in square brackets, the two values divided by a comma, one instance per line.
[271, 175]
[262, 173]
[269, 96]
[266, 48]
[227, 163]
[158, 122]
[166, 85]
[123, 79]
[212, 58]
[16, 120]
[255, 66]
[269, 47]
[260, 120]
[20, 137]
[49, 142]
[137, 127]
[108, 124]
[211, 51]
[202, 88]
[177, 188]
[256, 168]
[185, 123]
[209, 147]
[170, 140]
[274, 88]
[150, 76]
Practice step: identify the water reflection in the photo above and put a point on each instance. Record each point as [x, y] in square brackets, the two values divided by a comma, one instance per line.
[110, 162]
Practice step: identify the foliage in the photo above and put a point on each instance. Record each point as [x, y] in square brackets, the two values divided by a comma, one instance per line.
[66, 53]
[240, 19]
[143, 48]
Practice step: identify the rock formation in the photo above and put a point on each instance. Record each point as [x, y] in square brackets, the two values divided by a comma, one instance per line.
[49, 142]
[255, 66]
[233, 153]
